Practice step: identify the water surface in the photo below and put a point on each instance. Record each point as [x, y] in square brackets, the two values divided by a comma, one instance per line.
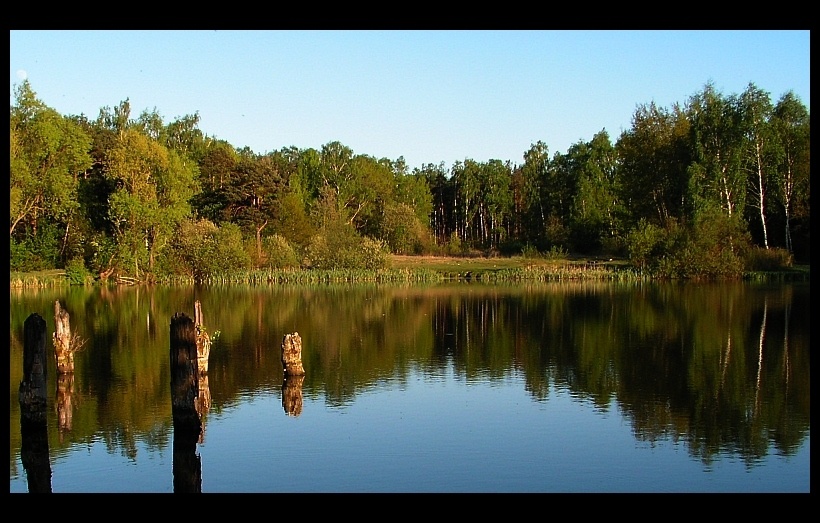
[556, 388]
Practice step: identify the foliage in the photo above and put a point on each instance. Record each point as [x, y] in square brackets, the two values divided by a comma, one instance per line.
[555, 253]
[21, 258]
[402, 230]
[38, 251]
[116, 191]
[201, 250]
[77, 273]
[455, 247]
[713, 246]
[760, 259]
[642, 243]
[530, 251]
[338, 246]
[278, 253]
[47, 152]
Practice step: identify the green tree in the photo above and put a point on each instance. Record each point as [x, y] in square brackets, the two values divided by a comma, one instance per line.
[760, 151]
[441, 194]
[413, 190]
[252, 195]
[369, 186]
[652, 177]
[534, 205]
[717, 139]
[154, 186]
[792, 174]
[202, 250]
[402, 230]
[593, 209]
[497, 202]
[48, 153]
[466, 179]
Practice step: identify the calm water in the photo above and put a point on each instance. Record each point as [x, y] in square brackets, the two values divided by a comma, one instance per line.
[568, 387]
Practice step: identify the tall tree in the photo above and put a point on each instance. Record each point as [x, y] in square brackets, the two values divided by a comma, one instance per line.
[756, 108]
[653, 158]
[48, 153]
[216, 169]
[154, 186]
[437, 179]
[593, 212]
[497, 201]
[365, 191]
[535, 179]
[252, 193]
[792, 176]
[414, 191]
[717, 137]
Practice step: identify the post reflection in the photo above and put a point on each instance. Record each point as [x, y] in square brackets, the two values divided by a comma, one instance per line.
[65, 409]
[292, 395]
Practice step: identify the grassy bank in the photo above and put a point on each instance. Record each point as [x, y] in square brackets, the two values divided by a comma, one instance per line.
[420, 269]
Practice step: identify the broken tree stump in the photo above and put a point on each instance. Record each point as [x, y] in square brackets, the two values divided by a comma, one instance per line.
[203, 340]
[63, 351]
[292, 355]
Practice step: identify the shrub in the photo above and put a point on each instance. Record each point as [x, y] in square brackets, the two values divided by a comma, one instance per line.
[279, 253]
[202, 250]
[530, 251]
[555, 253]
[455, 247]
[760, 259]
[339, 246]
[642, 244]
[77, 273]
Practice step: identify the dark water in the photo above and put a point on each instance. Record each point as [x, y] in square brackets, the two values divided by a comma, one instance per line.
[567, 387]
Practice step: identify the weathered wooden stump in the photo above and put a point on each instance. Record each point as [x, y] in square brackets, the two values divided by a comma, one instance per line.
[33, 391]
[203, 340]
[33, 404]
[292, 355]
[187, 468]
[184, 373]
[292, 395]
[63, 351]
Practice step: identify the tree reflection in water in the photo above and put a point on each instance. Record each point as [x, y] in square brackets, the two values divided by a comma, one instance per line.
[724, 368]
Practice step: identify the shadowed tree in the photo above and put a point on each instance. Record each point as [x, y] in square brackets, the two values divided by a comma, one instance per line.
[791, 177]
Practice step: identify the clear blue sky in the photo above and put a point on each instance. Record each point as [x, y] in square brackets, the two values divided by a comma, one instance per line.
[429, 96]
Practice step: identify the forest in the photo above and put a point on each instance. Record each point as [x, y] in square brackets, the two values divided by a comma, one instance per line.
[708, 188]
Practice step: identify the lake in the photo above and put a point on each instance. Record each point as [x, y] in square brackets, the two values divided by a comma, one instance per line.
[570, 387]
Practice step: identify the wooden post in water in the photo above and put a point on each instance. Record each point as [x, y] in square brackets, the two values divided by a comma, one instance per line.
[187, 468]
[33, 406]
[63, 351]
[294, 374]
[292, 355]
[184, 371]
[33, 386]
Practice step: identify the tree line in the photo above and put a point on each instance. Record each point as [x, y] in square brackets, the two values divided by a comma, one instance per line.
[712, 187]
